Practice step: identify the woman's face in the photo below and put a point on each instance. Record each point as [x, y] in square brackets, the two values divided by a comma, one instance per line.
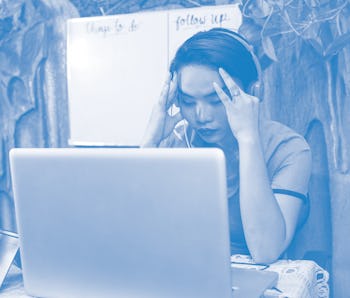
[200, 105]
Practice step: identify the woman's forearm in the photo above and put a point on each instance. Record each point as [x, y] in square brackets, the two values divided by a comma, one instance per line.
[263, 222]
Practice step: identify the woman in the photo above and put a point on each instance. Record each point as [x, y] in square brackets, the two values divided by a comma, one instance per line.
[214, 80]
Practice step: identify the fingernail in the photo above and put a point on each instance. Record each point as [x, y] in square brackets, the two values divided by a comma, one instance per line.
[222, 71]
[217, 87]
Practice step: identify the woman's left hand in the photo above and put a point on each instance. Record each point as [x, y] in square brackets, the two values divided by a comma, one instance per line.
[242, 109]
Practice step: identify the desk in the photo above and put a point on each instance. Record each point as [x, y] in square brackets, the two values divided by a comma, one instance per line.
[297, 279]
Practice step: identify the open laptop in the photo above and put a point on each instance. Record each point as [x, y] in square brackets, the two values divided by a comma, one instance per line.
[125, 223]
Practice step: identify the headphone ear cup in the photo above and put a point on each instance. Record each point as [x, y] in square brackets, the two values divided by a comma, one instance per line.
[256, 90]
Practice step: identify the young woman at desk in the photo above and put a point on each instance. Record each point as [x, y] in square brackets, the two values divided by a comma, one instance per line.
[214, 80]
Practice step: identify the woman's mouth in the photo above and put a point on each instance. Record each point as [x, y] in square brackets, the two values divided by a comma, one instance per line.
[207, 132]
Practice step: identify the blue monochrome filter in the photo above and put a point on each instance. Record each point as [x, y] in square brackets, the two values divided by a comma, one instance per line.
[208, 131]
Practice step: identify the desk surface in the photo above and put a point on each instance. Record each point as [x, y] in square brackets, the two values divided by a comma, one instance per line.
[297, 279]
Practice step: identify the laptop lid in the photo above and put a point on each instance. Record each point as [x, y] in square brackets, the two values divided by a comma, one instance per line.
[122, 222]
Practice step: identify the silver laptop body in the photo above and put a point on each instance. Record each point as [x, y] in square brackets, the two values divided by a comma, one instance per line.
[122, 222]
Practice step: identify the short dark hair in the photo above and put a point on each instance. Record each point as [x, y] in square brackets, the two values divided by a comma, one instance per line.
[216, 48]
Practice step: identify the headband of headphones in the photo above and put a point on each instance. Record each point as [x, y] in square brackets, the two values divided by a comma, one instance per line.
[257, 87]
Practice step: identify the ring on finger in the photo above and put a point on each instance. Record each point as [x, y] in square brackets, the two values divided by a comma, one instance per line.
[236, 92]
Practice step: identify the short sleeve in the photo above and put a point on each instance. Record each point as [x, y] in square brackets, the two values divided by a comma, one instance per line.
[294, 166]
[287, 156]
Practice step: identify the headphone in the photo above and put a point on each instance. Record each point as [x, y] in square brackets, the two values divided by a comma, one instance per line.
[257, 87]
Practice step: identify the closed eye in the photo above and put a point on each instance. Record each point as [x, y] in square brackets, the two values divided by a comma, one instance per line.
[188, 103]
[216, 102]
[212, 98]
[186, 100]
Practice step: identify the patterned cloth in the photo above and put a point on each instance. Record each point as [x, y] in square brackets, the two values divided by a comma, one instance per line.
[297, 279]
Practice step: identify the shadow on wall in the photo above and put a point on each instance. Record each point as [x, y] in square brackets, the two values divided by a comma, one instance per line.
[32, 126]
[314, 240]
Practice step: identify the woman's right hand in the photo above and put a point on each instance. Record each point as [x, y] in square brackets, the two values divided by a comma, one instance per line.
[161, 124]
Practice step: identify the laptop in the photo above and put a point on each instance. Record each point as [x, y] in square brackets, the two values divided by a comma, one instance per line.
[122, 222]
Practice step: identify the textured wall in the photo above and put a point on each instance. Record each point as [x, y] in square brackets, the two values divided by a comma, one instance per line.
[33, 106]
[307, 86]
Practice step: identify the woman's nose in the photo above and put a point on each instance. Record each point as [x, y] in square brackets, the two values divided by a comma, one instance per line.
[203, 114]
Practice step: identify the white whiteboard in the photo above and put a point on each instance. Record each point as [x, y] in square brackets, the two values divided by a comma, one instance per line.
[116, 66]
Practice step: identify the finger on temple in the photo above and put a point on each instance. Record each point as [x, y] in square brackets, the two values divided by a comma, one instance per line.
[221, 93]
[230, 83]
[172, 93]
[173, 83]
[174, 77]
[165, 91]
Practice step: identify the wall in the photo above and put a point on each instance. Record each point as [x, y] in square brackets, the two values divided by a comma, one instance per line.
[33, 105]
[307, 86]
[304, 48]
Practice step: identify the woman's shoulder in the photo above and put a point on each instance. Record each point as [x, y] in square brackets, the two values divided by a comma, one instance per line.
[279, 141]
[271, 126]
[274, 133]
[287, 156]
